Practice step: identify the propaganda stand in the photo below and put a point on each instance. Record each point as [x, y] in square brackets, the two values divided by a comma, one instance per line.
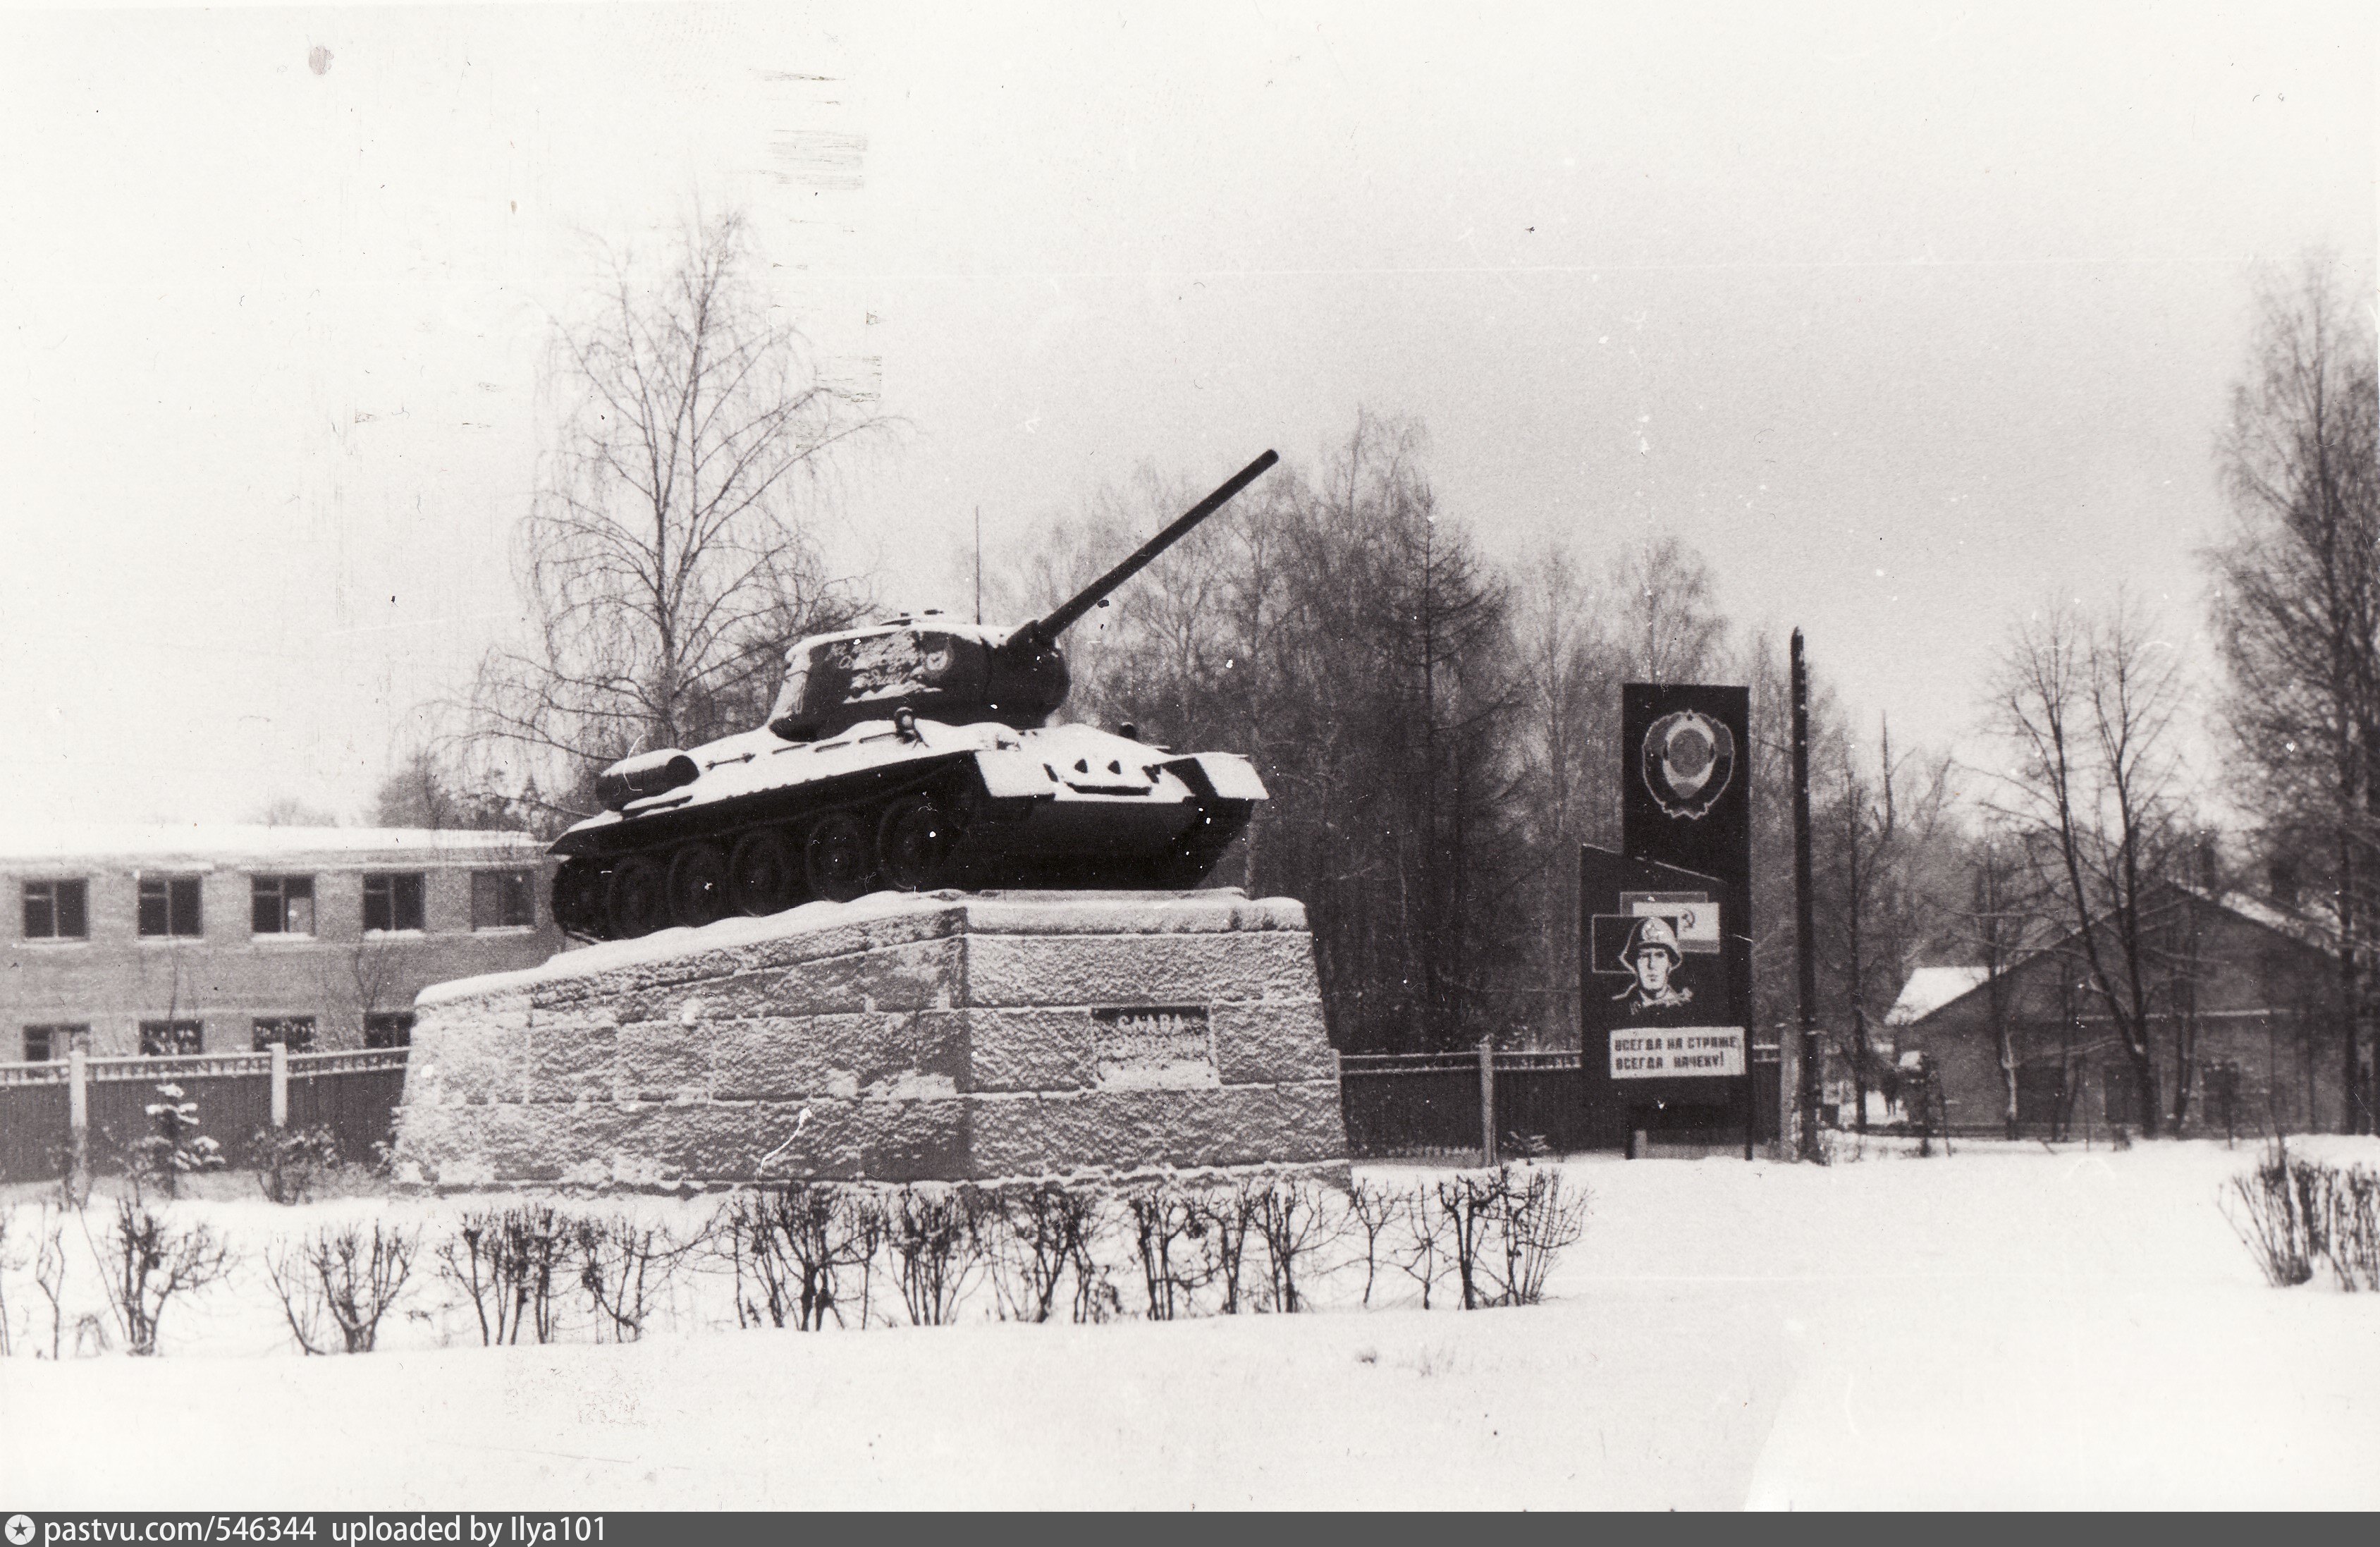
[1665, 940]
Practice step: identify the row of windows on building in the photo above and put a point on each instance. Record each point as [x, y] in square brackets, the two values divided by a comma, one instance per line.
[162, 1039]
[169, 906]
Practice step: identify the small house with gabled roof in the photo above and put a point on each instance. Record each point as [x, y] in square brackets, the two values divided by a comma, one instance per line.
[2245, 1030]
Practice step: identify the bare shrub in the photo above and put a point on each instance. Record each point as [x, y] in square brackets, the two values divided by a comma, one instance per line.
[867, 1227]
[504, 1262]
[340, 1274]
[50, 1272]
[2271, 1210]
[739, 1231]
[293, 1163]
[10, 1261]
[1096, 1296]
[1165, 1223]
[1424, 1239]
[2352, 1241]
[937, 1242]
[151, 1263]
[1471, 1204]
[1541, 1217]
[790, 1245]
[1038, 1236]
[301, 1294]
[1229, 1219]
[622, 1265]
[1294, 1219]
[1371, 1210]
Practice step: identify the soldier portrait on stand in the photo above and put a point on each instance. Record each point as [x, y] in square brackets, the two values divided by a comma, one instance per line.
[1652, 956]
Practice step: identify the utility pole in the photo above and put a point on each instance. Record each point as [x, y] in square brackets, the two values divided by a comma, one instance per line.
[1805, 957]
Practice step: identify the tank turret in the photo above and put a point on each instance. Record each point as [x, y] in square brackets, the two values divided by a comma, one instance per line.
[913, 753]
[958, 672]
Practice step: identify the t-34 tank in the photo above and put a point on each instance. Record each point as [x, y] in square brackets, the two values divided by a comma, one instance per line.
[908, 755]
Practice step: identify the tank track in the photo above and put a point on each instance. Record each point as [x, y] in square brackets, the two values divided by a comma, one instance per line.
[909, 838]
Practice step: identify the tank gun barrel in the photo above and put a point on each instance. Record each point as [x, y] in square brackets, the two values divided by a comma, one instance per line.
[1043, 630]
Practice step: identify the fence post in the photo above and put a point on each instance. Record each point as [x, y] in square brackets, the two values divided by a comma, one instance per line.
[79, 1120]
[280, 1085]
[1486, 1101]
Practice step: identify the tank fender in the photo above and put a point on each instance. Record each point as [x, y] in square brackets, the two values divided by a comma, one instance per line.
[1012, 774]
[1217, 775]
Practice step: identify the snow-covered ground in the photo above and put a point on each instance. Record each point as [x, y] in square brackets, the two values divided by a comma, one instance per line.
[2005, 1327]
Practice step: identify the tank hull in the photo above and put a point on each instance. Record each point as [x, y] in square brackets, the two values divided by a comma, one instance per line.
[916, 805]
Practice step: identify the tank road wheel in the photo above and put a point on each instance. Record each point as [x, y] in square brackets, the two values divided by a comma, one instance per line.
[639, 896]
[913, 844]
[837, 858]
[698, 884]
[578, 887]
[763, 874]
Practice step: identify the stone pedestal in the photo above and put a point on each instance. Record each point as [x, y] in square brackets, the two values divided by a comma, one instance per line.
[989, 1037]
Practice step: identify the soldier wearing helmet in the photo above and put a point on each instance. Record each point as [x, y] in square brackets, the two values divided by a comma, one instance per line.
[1652, 954]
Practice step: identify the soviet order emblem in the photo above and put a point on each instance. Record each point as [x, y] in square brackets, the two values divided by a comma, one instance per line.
[1688, 758]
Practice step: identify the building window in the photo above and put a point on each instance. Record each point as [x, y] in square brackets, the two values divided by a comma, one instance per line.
[503, 899]
[283, 904]
[45, 1044]
[164, 1038]
[295, 1032]
[57, 910]
[393, 902]
[388, 1028]
[170, 907]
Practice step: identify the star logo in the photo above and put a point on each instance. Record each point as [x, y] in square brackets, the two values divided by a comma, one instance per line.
[20, 1530]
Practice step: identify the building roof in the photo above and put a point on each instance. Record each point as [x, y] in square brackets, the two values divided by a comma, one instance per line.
[212, 843]
[1930, 988]
[2311, 924]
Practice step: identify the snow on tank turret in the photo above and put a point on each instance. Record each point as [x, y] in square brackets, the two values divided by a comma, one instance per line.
[907, 755]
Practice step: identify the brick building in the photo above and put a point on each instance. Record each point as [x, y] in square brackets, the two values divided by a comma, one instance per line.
[2246, 1007]
[226, 938]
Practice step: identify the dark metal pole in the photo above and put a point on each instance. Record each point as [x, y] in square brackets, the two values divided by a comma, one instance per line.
[1805, 957]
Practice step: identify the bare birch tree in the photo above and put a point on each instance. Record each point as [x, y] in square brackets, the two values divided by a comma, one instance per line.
[1999, 926]
[2088, 707]
[668, 558]
[1882, 826]
[2298, 609]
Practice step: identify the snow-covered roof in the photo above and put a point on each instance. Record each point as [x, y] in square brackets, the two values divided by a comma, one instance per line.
[1930, 988]
[236, 843]
[2310, 927]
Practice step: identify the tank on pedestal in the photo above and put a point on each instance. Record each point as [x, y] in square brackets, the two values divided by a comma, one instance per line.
[907, 755]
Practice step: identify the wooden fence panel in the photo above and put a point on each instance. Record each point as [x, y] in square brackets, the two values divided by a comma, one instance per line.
[358, 1105]
[1408, 1107]
[352, 1094]
[1540, 1109]
[33, 1131]
[1429, 1104]
[230, 1109]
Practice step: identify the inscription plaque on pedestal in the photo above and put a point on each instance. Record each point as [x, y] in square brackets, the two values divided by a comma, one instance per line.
[1153, 1047]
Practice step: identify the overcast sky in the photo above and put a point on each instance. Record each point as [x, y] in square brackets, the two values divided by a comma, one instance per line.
[1904, 316]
